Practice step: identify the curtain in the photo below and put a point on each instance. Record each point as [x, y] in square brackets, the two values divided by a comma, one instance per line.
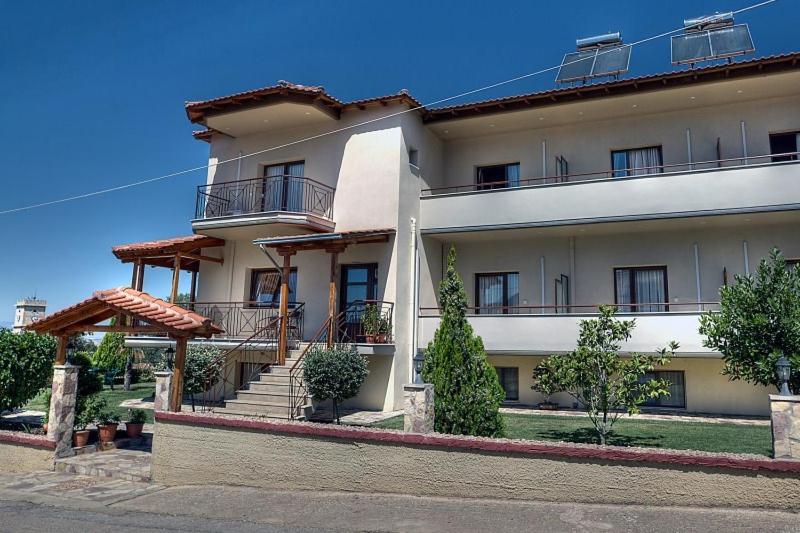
[645, 161]
[266, 286]
[623, 288]
[490, 293]
[273, 188]
[512, 291]
[620, 162]
[294, 186]
[512, 175]
[649, 289]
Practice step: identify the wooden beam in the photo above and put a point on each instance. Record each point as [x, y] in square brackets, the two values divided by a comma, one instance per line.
[176, 274]
[61, 350]
[201, 257]
[284, 308]
[193, 289]
[332, 298]
[176, 396]
[140, 278]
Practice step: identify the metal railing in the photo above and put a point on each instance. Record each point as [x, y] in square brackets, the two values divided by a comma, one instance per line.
[243, 319]
[292, 194]
[368, 321]
[582, 309]
[665, 170]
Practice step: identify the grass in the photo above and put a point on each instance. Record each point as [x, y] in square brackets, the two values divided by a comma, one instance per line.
[702, 436]
[114, 398]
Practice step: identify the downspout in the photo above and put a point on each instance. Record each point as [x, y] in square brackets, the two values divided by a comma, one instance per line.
[230, 278]
[544, 158]
[697, 275]
[689, 148]
[744, 142]
[414, 302]
[746, 253]
[541, 274]
[571, 272]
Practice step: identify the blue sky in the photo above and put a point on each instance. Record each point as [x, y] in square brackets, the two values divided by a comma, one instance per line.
[92, 96]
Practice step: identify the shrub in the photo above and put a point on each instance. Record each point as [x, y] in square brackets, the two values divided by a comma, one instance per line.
[336, 374]
[136, 416]
[111, 355]
[598, 377]
[26, 366]
[202, 369]
[467, 392]
[98, 411]
[759, 317]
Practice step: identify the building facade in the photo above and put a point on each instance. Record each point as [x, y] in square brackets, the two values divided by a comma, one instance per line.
[28, 311]
[647, 193]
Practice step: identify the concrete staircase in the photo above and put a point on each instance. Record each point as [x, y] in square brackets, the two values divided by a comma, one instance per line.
[269, 396]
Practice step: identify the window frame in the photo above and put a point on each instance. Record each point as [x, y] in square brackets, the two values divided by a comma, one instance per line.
[683, 396]
[505, 309]
[253, 302]
[779, 159]
[628, 170]
[501, 372]
[285, 185]
[634, 304]
[488, 186]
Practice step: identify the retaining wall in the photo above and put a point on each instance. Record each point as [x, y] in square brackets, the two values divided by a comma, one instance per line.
[207, 449]
[22, 452]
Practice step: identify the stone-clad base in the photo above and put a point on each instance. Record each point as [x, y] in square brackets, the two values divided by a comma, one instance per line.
[62, 408]
[163, 390]
[418, 413]
[785, 426]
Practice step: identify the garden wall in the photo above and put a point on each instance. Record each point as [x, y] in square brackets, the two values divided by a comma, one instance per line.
[207, 449]
[22, 452]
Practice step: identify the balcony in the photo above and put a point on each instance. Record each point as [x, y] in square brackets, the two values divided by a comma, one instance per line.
[554, 329]
[287, 200]
[724, 186]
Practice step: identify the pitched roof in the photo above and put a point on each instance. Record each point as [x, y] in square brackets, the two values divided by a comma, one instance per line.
[107, 303]
[316, 241]
[157, 253]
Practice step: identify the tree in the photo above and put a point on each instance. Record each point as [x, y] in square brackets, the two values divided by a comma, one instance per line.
[112, 357]
[334, 374]
[26, 366]
[467, 392]
[202, 369]
[598, 377]
[759, 316]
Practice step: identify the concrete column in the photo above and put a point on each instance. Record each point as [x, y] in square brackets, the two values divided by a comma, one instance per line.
[418, 406]
[62, 408]
[785, 414]
[163, 391]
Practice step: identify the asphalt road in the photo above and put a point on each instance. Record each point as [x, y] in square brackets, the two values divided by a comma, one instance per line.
[239, 509]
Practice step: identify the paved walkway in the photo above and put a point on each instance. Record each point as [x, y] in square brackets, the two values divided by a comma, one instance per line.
[69, 503]
[125, 464]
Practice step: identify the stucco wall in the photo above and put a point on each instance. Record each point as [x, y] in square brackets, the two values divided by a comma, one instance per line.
[310, 457]
[20, 453]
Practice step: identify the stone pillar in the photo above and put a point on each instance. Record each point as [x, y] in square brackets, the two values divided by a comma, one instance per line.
[163, 391]
[785, 413]
[61, 419]
[418, 404]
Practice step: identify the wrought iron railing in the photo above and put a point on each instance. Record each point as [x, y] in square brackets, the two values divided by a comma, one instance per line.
[284, 193]
[661, 170]
[368, 321]
[240, 320]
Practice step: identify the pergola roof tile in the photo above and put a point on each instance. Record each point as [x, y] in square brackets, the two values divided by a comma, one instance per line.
[158, 313]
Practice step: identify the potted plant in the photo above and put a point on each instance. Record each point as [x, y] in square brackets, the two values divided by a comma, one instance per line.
[135, 423]
[80, 435]
[107, 421]
[370, 322]
[384, 330]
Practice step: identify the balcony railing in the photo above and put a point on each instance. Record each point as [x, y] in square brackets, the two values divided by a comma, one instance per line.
[243, 319]
[354, 324]
[290, 194]
[583, 309]
[660, 170]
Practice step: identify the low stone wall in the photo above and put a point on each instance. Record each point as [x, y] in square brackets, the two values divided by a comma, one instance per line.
[207, 449]
[22, 452]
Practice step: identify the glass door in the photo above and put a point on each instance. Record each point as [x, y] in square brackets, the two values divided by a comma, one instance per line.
[283, 187]
[359, 284]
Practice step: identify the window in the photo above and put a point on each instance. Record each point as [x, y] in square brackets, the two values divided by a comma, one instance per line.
[792, 263]
[413, 157]
[677, 388]
[641, 289]
[265, 287]
[784, 143]
[637, 162]
[495, 293]
[284, 187]
[498, 176]
[509, 380]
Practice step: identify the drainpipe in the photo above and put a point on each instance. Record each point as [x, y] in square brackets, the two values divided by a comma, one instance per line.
[239, 166]
[544, 158]
[414, 296]
[689, 148]
[571, 271]
[744, 142]
[230, 277]
[541, 275]
[697, 275]
[746, 258]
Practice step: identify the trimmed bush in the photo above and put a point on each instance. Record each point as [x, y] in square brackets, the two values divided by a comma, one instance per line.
[26, 366]
[336, 374]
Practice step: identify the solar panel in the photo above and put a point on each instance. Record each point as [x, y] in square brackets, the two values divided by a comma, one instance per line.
[706, 45]
[612, 61]
[594, 63]
[576, 66]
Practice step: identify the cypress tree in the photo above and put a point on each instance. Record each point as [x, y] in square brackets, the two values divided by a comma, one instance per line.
[467, 391]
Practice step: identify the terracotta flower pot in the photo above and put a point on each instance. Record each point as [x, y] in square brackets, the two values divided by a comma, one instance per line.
[133, 430]
[44, 427]
[80, 438]
[370, 339]
[380, 338]
[107, 432]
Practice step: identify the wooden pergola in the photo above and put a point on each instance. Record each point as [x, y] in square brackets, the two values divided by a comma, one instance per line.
[136, 312]
[333, 244]
[179, 253]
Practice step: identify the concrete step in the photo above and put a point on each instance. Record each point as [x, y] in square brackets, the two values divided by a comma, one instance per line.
[279, 398]
[277, 379]
[275, 387]
[258, 408]
[238, 412]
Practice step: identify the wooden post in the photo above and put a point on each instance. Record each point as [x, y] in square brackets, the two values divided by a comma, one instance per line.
[61, 350]
[140, 277]
[193, 289]
[176, 396]
[135, 274]
[332, 298]
[284, 309]
[176, 274]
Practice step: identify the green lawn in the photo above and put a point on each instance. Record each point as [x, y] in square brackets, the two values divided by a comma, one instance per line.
[732, 438]
[114, 398]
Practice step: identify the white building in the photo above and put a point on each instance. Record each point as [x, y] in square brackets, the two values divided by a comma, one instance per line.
[27, 311]
[649, 193]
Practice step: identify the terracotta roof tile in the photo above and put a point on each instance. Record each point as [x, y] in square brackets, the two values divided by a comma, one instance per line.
[200, 241]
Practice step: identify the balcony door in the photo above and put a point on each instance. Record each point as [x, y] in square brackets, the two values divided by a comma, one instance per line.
[637, 162]
[641, 289]
[283, 187]
[359, 283]
[498, 176]
[784, 143]
[496, 293]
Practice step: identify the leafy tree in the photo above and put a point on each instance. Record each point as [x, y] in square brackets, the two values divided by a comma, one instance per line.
[89, 384]
[467, 392]
[26, 366]
[759, 315]
[182, 299]
[202, 369]
[598, 377]
[336, 374]
[112, 357]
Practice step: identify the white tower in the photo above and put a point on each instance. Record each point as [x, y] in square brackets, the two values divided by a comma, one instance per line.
[27, 311]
